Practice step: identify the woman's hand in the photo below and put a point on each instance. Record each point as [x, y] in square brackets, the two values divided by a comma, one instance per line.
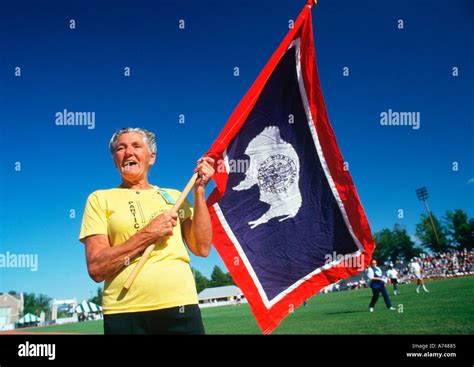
[205, 170]
[162, 225]
[104, 260]
[197, 231]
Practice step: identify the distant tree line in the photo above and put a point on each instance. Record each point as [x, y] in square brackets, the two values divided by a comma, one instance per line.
[218, 279]
[35, 304]
[455, 232]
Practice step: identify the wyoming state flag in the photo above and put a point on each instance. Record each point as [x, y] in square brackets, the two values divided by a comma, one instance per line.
[286, 215]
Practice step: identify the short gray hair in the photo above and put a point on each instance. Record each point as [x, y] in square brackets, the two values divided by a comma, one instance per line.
[148, 138]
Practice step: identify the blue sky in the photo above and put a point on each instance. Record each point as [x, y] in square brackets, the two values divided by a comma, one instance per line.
[191, 72]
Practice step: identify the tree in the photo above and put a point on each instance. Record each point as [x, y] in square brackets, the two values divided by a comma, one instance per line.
[426, 235]
[201, 281]
[35, 304]
[230, 280]
[396, 244]
[63, 313]
[97, 299]
[218, 278]
[460, 229]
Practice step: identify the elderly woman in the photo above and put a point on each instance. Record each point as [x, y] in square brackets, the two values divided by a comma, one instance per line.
[118, 225]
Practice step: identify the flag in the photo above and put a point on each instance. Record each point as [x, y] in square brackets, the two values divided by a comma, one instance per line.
[287, 220]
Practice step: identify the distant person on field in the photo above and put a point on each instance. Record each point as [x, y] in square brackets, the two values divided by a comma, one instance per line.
[392, 274]
[418, 271]
[377, 284]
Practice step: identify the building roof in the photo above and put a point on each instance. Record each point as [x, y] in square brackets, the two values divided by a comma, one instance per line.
[13, 298]
[219, 292]
[87, 306]
[28, 318]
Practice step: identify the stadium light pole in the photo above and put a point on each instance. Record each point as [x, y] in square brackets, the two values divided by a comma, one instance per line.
[422, 194]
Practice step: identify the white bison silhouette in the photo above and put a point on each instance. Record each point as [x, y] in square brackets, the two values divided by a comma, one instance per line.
[275, 168]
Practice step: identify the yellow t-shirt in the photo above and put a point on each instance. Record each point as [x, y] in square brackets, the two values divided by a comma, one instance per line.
[166, 279]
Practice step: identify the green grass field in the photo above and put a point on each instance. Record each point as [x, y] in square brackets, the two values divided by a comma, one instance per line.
[447, 309]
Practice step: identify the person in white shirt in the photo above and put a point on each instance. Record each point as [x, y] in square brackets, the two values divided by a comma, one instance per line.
[392, 274]
[377, 284]
[418, 271]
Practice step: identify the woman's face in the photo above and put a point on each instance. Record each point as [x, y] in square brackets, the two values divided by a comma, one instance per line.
[132, 156]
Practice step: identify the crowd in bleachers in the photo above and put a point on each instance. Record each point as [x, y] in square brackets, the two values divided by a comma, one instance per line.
[444, 265]
[356, 284]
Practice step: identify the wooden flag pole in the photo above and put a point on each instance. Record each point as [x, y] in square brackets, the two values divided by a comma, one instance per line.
[146, 254]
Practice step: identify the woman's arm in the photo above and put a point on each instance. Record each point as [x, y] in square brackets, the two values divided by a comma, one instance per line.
[197, 232]
[103, 260]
